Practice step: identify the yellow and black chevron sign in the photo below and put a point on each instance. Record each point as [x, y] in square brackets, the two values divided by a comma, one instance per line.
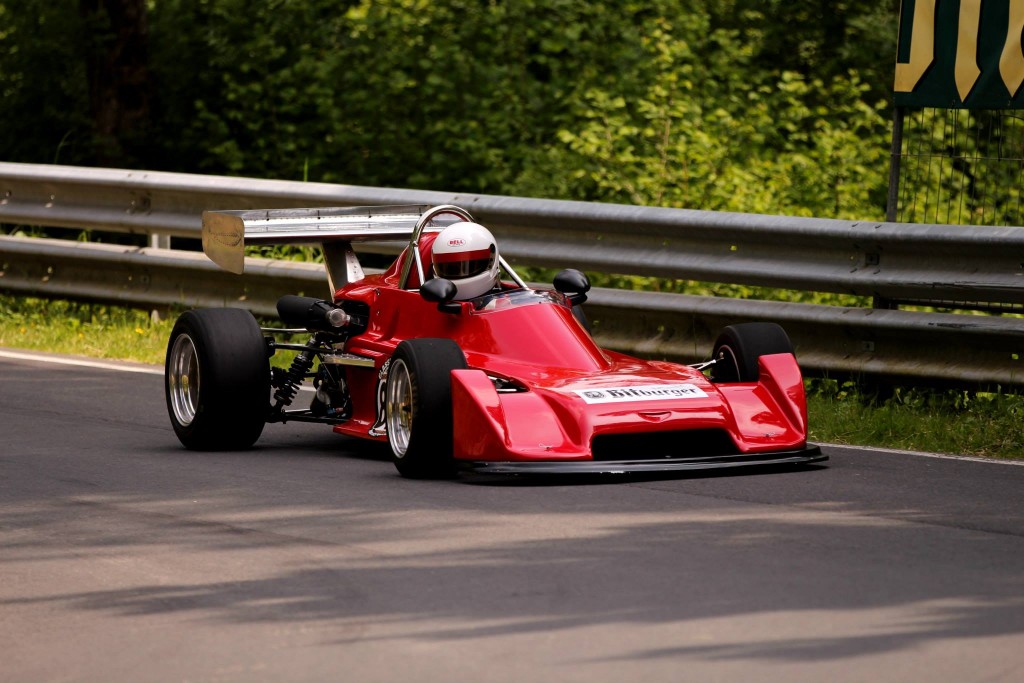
[960, 54]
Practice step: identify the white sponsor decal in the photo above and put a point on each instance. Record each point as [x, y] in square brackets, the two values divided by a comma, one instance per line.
[650, 392]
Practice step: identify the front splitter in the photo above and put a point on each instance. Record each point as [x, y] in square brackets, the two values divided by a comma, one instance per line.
[807, 455]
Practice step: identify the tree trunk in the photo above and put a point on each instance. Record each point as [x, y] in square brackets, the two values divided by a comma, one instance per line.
[118, 73]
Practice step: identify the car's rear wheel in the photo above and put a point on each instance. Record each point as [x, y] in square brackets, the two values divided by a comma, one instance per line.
[739, 346]
[217, 379]
[418, 406]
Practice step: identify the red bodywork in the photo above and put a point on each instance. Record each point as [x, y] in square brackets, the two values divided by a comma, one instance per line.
[572, 397]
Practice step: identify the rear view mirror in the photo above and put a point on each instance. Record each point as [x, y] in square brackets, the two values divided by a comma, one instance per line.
[440, 291]
[574, 284]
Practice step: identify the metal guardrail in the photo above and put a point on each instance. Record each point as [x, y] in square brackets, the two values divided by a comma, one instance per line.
[148, 277]
[886, 260]
[890, 261]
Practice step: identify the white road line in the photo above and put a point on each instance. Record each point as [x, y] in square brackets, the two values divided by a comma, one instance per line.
[122, 366]
[82, 362]
[940, 456]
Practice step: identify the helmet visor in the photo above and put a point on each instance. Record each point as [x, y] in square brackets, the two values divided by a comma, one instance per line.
[456, 266]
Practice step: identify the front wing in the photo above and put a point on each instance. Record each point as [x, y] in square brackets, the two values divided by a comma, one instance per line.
[810, 454]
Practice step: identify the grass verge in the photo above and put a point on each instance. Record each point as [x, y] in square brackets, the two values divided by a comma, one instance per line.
[956, 422]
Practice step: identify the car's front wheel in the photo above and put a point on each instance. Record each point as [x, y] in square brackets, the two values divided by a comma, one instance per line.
[738, 347]
[217, 379]
[418, 406]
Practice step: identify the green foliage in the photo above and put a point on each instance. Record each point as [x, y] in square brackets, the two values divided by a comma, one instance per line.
[962, 167]
[286, 252]
[747, 105]
[913, 418]
[704, 125]
[243, 85]
[86, 329]
[92, 329]
[44, 117]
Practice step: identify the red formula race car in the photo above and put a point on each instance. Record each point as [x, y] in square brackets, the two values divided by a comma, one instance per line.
[458, 364]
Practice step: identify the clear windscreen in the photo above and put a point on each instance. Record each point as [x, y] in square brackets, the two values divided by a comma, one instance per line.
[511, 298]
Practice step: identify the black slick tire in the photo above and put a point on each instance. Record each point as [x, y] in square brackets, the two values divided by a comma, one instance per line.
[217, 379]
[419, 407]
[738, 347]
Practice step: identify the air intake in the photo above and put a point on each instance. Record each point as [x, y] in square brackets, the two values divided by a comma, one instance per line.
[687, 443]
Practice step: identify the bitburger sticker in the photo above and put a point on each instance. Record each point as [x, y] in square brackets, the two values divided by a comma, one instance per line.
[650, 392]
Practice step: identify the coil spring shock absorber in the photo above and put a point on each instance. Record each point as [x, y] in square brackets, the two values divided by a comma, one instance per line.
[302, 364]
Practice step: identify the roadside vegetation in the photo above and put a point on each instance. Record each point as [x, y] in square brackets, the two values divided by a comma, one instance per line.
[764, 106]
[957, 422]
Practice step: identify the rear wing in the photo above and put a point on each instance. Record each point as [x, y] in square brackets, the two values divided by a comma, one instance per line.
[225, 233]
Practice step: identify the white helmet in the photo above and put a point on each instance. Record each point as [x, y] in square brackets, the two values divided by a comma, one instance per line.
[466, 254]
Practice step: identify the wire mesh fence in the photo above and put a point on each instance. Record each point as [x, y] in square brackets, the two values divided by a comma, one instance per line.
[959, 167]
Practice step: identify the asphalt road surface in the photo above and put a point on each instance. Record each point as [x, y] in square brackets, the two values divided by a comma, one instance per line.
[124, 557]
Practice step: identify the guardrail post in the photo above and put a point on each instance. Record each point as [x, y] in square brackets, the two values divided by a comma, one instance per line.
[159, 241]
[892, 201]
[893, 198]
